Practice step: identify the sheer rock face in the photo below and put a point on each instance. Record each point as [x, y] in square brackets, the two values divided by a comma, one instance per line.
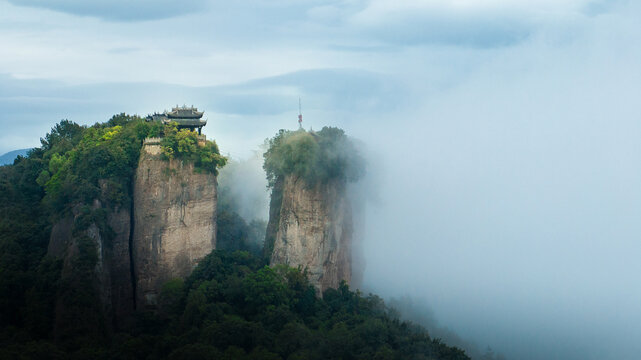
[113, 268]
[174, 222]
[122, 292]
[112, 271]
[170, 226]
[314, 230]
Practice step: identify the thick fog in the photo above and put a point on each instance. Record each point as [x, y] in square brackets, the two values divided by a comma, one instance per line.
[503, 191]
[242, 183]
[511, 203]
[507, 205]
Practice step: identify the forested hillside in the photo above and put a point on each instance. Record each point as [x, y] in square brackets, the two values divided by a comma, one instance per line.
[232, 306]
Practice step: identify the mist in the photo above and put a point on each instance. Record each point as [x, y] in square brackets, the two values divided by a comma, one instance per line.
[506, 204]
[243, 186]
[510, 201]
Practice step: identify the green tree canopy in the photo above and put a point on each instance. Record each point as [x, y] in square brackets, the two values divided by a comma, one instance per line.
[313, 156]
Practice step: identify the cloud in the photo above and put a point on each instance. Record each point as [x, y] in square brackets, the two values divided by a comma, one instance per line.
[598, 7]
[517, 189]
[338, 89]
[451, 29]
[416, 23]
[466, 23]
[119, 10]
[123, 50]
[32, 106]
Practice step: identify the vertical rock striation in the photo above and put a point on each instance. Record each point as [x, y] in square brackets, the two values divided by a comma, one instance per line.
[174, 221]
[122, 292]
[311, 227]
[110, 273]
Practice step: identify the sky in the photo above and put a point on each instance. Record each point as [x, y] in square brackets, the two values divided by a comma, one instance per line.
[502, 136]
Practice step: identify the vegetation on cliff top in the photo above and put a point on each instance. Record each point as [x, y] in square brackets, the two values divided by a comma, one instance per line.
[80, 164]
[313, 156]
[185, 145]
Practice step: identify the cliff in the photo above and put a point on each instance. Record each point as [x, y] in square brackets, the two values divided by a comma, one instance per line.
[94, 252]
[174, 221]
[311, 227]
[116, 258]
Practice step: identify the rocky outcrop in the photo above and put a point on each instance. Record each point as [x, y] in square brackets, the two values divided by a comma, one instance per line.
[80, 241]
[119, 264]
[113, 268]
[128, 253]
[174, 221]
[311, 227]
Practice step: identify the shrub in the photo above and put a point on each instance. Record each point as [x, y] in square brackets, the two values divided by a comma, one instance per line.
[312, 156]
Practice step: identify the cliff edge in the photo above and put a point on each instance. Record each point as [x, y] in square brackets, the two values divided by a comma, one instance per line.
[175, 221]
[310, 218]
[314, 231]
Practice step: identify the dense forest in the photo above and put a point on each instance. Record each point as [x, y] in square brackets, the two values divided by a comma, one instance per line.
[233, 306]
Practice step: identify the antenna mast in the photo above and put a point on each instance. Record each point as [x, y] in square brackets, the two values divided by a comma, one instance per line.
[300, 115]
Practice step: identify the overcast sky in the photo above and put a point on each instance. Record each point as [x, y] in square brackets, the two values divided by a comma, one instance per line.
[504, 134]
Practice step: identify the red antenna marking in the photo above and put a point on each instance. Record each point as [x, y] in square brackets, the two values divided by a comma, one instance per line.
[300, 115]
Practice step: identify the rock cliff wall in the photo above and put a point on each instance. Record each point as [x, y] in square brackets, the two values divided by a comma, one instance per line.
[127, 253]
[312, 227]
[174, 221]
[110, 273]
[119, 264]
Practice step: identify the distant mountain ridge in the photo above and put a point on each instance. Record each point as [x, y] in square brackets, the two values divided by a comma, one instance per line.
[7, 159]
